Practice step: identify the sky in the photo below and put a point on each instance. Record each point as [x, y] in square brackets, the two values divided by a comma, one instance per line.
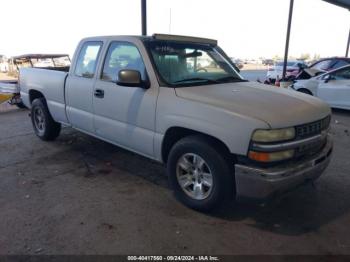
[244, 29]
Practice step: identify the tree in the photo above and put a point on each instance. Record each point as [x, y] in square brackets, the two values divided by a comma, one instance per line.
[317, 56]
[305, 56]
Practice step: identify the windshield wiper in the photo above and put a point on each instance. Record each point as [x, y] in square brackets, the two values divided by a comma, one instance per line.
[197, 79]
[230, 79]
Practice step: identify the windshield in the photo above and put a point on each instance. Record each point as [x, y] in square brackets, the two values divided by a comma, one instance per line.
[183, 64]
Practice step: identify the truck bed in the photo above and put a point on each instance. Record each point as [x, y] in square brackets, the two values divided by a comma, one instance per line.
[50, 83]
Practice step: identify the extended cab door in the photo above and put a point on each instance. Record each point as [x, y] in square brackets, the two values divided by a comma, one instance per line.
[334, 88]
[80, 87]
[124, 115]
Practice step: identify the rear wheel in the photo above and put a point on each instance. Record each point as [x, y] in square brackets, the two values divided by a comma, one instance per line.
[200, 173]
[44, 125]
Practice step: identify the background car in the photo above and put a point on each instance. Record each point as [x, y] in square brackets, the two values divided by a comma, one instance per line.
[3, 64]
[237, 62]
[332, 87]
[268, 62]
[293, 69]
[328, 64]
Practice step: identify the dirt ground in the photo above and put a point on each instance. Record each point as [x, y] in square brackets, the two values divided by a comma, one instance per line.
[79, 195]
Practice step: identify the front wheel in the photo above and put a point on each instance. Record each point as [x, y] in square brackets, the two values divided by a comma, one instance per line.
[200, 174]
[44, 126]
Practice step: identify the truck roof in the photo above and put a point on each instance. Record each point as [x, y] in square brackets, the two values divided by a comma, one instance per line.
[165, 37]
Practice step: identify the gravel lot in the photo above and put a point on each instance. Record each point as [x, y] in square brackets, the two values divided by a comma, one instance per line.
[79, 195]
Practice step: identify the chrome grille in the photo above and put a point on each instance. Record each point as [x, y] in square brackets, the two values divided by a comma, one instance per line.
[310, 149]
[312, 129]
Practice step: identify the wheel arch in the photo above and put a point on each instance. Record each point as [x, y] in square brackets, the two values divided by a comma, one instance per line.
[305, 91]
[34, 94]
[176, 133]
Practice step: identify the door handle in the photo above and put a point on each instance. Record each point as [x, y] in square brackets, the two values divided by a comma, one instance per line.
[99, 93]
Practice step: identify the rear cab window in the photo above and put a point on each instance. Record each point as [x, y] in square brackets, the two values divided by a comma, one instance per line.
[87, 59]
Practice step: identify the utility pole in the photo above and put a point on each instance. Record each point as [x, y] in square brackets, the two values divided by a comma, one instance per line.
[144, 17]
[170, 21]
[347, 46]
[287, 39]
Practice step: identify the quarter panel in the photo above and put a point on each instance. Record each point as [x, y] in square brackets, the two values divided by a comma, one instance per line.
[51, 84]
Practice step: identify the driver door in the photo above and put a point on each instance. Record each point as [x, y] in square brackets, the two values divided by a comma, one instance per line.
[124, 115]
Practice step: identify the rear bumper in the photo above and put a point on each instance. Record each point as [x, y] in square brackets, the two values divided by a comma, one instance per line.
[263, 183]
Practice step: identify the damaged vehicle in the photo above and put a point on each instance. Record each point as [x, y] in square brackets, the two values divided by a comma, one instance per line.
[294, 67]
[332, 87]
[307, 73]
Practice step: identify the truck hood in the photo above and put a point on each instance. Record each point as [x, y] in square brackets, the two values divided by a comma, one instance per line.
[278, 107]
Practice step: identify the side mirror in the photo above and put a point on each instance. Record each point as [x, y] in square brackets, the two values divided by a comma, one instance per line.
[132, 78]
[327, 78]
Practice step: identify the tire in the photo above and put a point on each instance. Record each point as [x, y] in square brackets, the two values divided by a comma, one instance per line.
[305, 91]
[44, 125]
[216, 161]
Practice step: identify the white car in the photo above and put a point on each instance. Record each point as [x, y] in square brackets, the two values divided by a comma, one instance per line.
[332, 87]
[293, 68]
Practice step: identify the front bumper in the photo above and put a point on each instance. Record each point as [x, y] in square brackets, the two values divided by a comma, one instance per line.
[263, 183]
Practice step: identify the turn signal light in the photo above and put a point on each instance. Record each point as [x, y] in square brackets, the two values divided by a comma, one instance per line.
[270, 157]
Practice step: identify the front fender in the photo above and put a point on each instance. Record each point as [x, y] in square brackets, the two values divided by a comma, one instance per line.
[232, 129]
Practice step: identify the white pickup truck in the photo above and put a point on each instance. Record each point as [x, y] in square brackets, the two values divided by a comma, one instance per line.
[220, 136]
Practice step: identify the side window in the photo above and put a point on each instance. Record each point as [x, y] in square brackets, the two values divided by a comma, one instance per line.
[343, 74]
[122, 55]
[87, 59]
[323, 65]
[339, 63]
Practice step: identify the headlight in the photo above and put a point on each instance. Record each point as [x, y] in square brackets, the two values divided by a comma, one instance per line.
[271, 157]
[273, 135]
